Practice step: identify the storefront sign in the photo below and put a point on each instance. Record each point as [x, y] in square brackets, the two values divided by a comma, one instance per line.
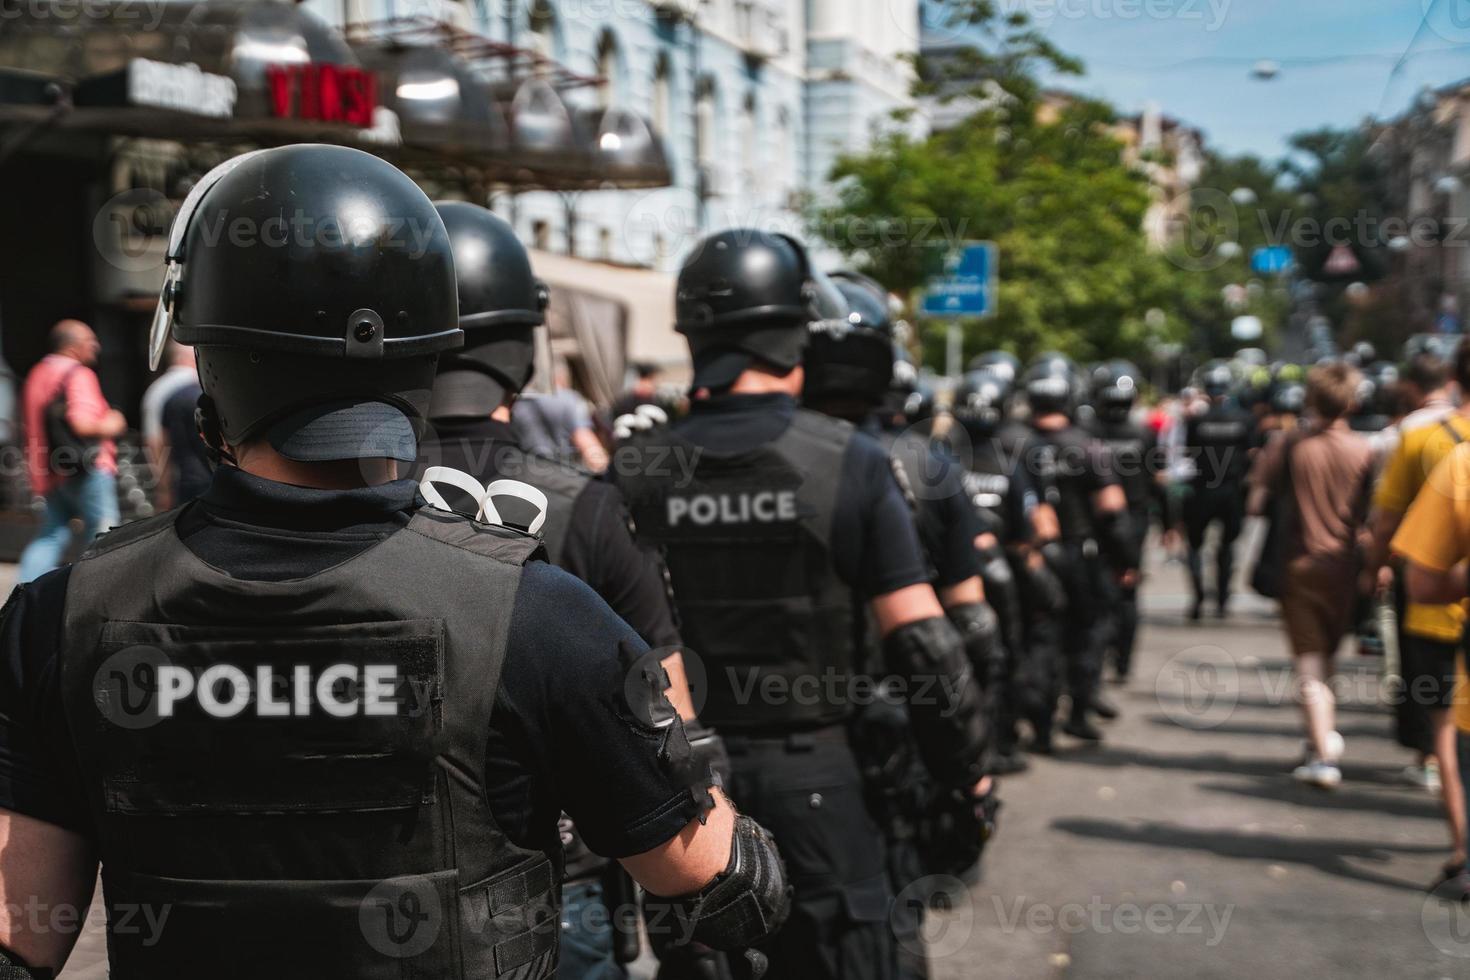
[184, 88]
[329, 93]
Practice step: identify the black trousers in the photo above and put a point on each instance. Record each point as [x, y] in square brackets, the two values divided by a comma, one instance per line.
[807, 791]
[1086, 627]
[1225, 505]
[1038, 675]
[1004, 595]
[1123, 603]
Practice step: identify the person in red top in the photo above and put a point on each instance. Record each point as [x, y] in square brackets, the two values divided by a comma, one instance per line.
[75, 484]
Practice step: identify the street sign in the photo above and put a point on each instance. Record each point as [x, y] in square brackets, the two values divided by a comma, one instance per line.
[1271, 260]
[968, 286]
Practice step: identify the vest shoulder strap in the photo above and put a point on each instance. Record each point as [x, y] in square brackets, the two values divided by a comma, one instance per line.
[502, 544]
[130, 534]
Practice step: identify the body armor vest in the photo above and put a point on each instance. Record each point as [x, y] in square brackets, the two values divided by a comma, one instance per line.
[293, 772]
[1220, 442]
[748, 545]
[989, 484]
[1131, 463]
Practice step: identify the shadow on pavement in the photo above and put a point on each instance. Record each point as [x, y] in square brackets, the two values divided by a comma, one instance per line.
[1328, 855]
[1293, 731]
[1218, 763]
[1421, 805]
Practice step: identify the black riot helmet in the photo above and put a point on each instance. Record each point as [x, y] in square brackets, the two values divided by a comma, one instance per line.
[901, 386]
[1115, 386]
[501, 302]
[980, 400]
[318, 285]
[1051, 384]
[1289, 398]
[1002, 364]
[747, 295]
[851, 359]
[1216, 379]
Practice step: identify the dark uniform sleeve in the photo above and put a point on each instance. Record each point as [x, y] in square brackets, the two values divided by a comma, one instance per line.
[39, 776]
[562, 725]
[875, 545]
[600, 549]
[955, 559]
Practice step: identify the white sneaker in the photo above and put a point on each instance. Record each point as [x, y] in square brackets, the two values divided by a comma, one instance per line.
[1336, 749]
[1425, 777]
[1318, 773]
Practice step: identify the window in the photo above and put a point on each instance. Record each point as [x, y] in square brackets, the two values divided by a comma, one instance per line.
[608, 68]
[704, 124]
[750, 171]
[605, 244]
[784, 179]
[541, 235]
[663, 96]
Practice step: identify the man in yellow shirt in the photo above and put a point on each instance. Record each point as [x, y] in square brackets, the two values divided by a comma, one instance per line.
[1434, 537]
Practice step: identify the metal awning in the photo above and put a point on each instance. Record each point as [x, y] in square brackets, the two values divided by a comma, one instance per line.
[440, 104]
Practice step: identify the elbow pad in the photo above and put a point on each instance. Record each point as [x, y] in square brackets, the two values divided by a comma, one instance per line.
[945, 707]
[1047, 594]
[979, 627]
[744, 905]
[1116, 538]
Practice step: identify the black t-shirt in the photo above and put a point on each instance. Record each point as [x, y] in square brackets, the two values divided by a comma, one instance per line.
[1136, 459]
[1001, 487]
[558, 735]
[947, 524]
[1219, 442]
[875, 547]
[186, 453]
[1074, 466]
[599, 546]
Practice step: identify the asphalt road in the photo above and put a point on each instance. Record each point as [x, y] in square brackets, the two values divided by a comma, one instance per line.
[1181, 848]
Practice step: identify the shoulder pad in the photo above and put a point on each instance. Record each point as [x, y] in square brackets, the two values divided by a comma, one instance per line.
[126, 534]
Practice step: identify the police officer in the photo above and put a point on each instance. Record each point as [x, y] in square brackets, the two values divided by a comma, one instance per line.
[786, 520]
[1219, 442]
[308, 726]
[584, 522]
[1014, 520]
[849, 368]
[1095, 530]
[1136, 462]
[1378, 395]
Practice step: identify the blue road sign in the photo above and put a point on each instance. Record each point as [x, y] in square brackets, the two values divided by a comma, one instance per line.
[968, 286]
[1271, 260]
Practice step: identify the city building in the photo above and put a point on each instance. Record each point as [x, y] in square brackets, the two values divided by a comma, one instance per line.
[1425, 155]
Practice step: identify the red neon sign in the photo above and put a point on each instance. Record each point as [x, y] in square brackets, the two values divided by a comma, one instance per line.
[329, 93]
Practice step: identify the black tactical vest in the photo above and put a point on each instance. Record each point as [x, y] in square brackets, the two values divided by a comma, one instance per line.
[748, 544]
[989, 483]
[292, 772]
[1131, 462]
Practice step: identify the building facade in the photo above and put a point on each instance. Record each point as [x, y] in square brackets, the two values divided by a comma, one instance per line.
[754, 99]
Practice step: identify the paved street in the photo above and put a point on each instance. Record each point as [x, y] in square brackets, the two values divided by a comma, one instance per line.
[1182, 849]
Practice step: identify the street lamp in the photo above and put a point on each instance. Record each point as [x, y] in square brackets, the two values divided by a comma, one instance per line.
[1265, 70]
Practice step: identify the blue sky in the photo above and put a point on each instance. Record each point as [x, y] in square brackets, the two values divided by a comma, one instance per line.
[1193, 57]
